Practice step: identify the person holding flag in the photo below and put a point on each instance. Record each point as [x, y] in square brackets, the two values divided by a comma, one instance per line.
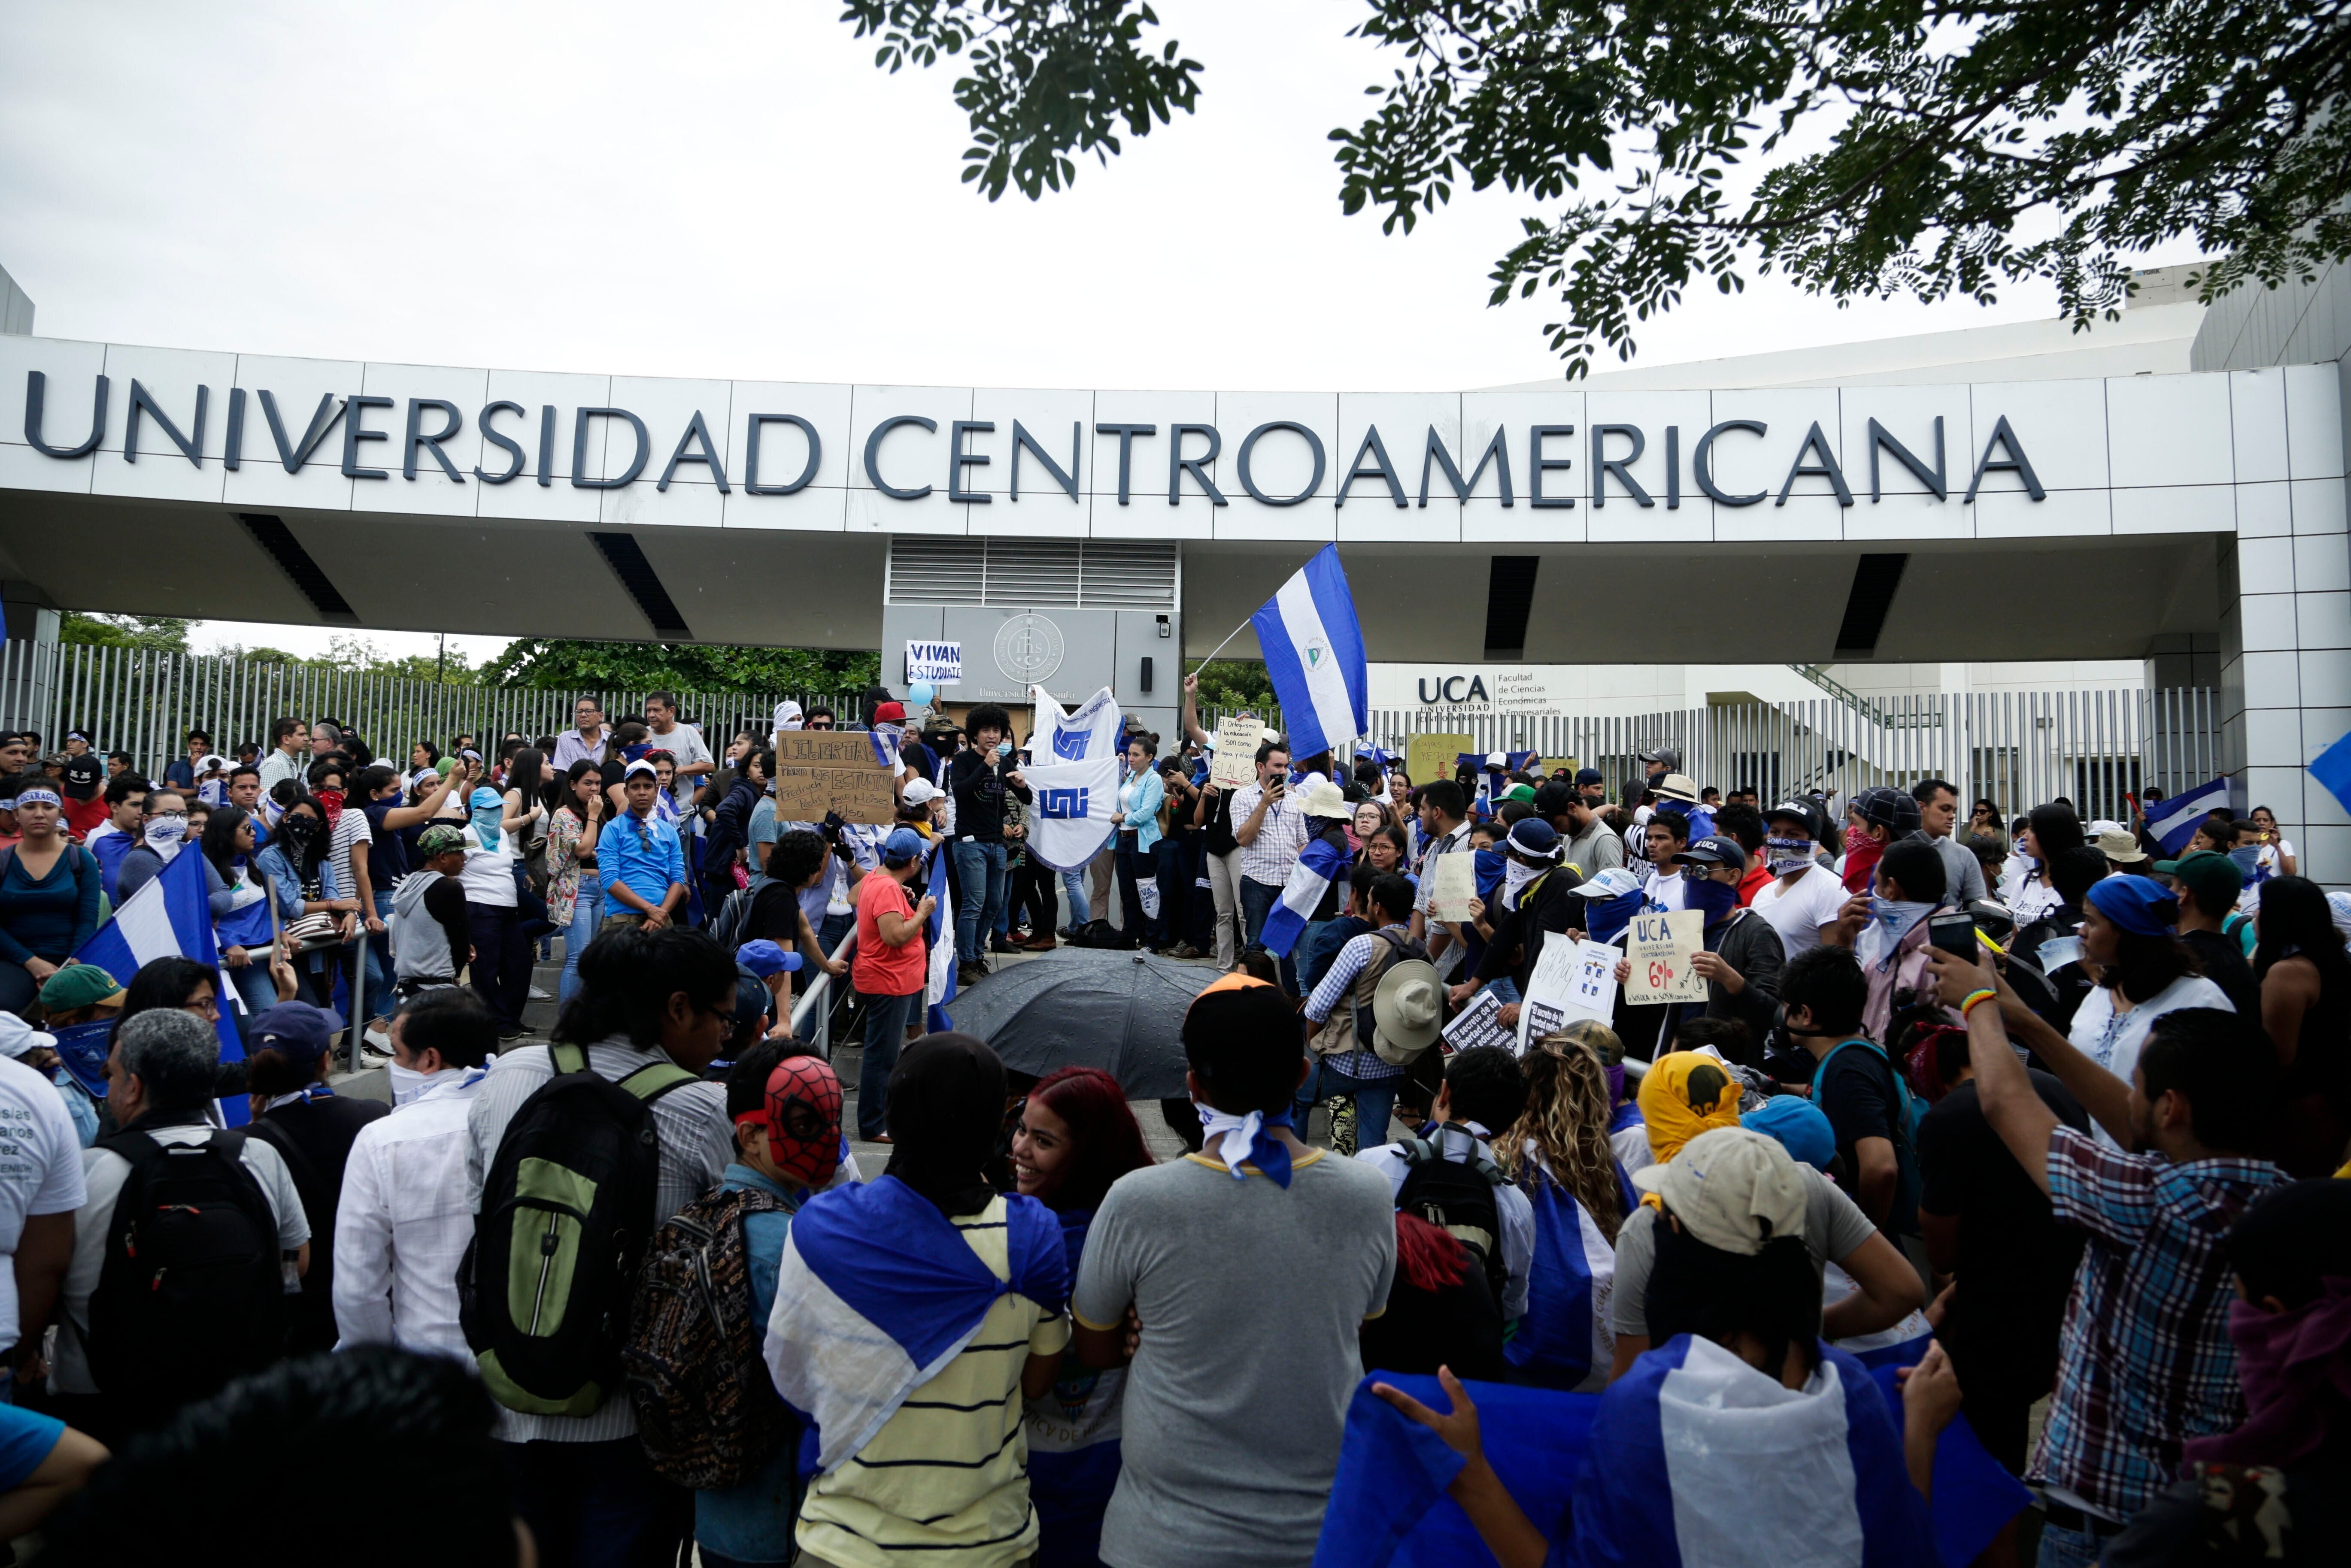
[891, 969]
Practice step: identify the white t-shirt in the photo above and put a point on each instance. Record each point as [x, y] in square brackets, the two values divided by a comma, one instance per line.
[1662, 891]
[2114, 1041]
[1798, 913]
[488, 876]
[683, 743]
[105, 1173]
[40, 1170]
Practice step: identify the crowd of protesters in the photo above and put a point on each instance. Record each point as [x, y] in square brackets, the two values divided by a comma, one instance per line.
[2044, 1115]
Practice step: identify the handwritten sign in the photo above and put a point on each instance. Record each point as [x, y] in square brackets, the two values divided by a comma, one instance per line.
[1234, 764]
[939, 663]
[1661, 948]
[1454, 884]
[820, 771]
[1571, 980]
[1428, 758]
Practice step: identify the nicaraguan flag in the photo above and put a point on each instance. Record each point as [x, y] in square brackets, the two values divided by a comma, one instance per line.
[1320, 863]
[942, 938]
[1726, 1473]
[171, 917]
[877, 1291]
[1314, 655]
[2175, 821]
[1564, 1341]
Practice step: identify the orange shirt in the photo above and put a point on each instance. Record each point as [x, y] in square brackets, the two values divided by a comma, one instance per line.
[876, 967]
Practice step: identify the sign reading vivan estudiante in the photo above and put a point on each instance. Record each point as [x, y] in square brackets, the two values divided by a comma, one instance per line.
[1574, 464]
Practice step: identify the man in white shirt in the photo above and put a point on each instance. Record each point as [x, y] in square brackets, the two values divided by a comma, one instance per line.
[160, 1081]
[683, 741]
[1445, 828]
[1667, 836]
[1271, 831]
[405, 1220]
[284, 760]
[1804, 899]
[40, 1188]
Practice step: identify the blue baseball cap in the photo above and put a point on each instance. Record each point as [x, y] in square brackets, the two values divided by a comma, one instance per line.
[1801, 1128]
[295, 1030]
[764, 959]
[902, 845]
[1588, 777]
[2139, 904]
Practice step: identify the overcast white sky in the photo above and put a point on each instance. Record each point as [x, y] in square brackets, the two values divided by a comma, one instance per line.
[732, 189]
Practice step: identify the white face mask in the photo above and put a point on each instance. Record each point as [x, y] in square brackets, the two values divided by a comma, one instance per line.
[166, 836]
[407, 1083]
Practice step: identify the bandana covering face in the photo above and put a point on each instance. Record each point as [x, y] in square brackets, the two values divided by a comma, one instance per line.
[1786, 855]
[1712, 898]
[487, 813]
[166, 836]
[1234, 1139]
[1516, 874]
[1896, 918]
[331, 800]
[810, 1083]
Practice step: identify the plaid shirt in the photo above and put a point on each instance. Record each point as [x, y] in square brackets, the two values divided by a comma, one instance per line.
[2145, 1359]
[1280, 836]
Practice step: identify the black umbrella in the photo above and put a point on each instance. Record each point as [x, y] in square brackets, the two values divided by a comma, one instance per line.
[1088, 1007]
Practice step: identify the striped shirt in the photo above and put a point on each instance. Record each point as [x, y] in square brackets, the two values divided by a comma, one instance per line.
[1280, 836]
[947, 1474]
[2143, 1360]
[696, 1142]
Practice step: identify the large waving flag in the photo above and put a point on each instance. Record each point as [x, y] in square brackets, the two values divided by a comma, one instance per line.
[1072, 775]
[171, 917]
[2175, 821]
[1564, 1341]
[942, 938]
[1320, 863]
[1835, 1488]
[1314, 655]
[877, 1291]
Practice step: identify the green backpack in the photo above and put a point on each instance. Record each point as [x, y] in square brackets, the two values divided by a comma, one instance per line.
[570, 1202]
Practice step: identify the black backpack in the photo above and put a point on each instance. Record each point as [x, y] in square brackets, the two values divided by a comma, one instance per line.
[192, 1293]
[570, 1201]
[1457, 1196]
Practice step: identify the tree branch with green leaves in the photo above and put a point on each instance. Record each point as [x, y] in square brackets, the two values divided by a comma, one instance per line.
[1861, 148]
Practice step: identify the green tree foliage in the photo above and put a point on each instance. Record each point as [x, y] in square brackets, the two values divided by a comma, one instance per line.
[1231, 683]
[1863, 148]
[564, 665]
[157, 634]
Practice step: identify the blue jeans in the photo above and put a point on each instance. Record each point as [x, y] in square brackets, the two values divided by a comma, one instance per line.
[597, 1505]
[1256, 903]
[378, 949]
[1073, 883]
[981, 883]
[1374, 1098]
[887, 1019]
[253, 984]
[2064, 1548]
[587, 914]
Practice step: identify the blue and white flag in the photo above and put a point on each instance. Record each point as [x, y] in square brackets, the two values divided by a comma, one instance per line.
[878, 1290]
[1073, 779]
[1314, 655]
[1681, 1462]
[941, 935]
[1564, 1341]
[2175, 821]
[172, 916]
[1320, 863]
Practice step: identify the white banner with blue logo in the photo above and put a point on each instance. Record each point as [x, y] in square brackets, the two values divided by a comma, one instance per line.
[1073, 780]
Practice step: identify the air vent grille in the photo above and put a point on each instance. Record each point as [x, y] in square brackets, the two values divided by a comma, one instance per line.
[1015, 573]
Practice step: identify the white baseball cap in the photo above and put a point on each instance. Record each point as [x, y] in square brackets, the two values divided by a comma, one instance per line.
[921, 791]
[641, 766]
[1731, 1189]
[16, 1037]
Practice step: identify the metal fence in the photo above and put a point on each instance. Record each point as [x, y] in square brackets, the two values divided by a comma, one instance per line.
[144, 702]
[2016, 748]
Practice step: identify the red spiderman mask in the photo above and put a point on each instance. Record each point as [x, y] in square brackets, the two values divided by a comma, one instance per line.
[803, 1116]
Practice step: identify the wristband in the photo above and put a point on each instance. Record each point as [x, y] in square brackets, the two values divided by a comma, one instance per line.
[1967, 1003]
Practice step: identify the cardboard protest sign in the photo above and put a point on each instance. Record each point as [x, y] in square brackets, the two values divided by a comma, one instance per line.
[1428, 758]
[1571, 980]
[1456, 884]
[1234, 764]
[1661, 948]
[820, 771]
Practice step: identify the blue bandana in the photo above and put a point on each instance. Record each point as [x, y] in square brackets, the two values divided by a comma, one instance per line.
[1234, 1140]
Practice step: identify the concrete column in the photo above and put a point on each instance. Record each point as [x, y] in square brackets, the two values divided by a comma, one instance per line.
[2285, 585]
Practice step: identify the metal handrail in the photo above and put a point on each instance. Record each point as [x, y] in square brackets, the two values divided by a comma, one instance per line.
[819, 990]
[1875, 712]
